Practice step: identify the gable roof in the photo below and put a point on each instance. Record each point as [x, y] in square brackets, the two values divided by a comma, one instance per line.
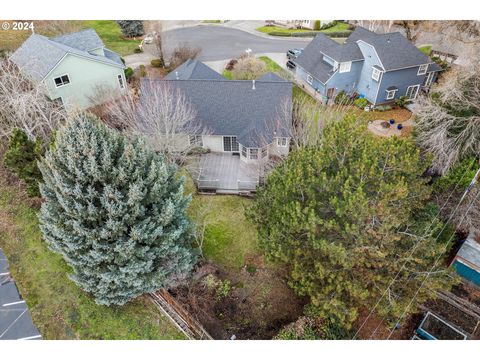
[270, 76]
[85, 40]
[393, 49]
[38, 55]
[194, 69]
[233, 107]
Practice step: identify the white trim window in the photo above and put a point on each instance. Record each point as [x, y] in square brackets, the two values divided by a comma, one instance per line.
[253, 153]
[345, 67]
[61, 80]
[309, 79]
[422, 69]
[120, 81]
[196, 140]
[244, 151]
[429, 79]
[282, 142]
[390, 94]
[264, 152]
[376, 73]
[412, 92]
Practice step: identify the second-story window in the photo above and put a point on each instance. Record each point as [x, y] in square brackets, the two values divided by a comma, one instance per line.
[309, 79]
[422, 69]
[376, 74]
[282, 141]
[345, 67]
[62, 80]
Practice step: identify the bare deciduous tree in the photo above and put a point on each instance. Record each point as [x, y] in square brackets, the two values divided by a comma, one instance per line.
[248, 68]
[159, 41]
[182, 53]
[163, 115]
[25, 105]
[448, 121]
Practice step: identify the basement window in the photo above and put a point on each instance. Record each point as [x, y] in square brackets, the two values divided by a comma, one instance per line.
[62, 80]
[196, 140]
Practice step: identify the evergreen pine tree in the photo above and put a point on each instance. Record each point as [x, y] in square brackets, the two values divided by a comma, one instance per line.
[115, 211]
[21, 158]
[343, 216]
[131, 28]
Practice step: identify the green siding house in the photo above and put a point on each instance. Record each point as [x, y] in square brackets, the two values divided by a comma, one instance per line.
[73, 67]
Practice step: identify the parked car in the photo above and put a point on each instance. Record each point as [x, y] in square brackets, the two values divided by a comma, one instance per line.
[291, 65]
[148, 39]
[294, 53]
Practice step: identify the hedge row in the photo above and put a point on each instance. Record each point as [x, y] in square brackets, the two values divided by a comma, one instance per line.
[333, 34]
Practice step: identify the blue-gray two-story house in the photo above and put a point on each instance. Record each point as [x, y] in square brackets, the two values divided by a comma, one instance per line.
[379, 67]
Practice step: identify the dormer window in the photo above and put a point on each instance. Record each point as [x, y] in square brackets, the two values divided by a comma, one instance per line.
[422, 69]
[62, 80]
[345, 67]
[376, 74]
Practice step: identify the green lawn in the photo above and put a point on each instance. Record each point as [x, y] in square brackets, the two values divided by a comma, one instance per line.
[426, 49]
[59, 308]
[227, 74]
[110, 33]
[340, 26]
[229, 236]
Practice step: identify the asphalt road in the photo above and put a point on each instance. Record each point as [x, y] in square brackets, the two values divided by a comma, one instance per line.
[220, 42]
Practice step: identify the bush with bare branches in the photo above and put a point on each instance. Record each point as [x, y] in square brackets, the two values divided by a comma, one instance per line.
[181, 54]
[162, 114]
[248, 68]
[448, 121]
[25, 105]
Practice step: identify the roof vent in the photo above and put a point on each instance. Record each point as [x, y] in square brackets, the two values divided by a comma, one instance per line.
[253, 84]
[176, 75]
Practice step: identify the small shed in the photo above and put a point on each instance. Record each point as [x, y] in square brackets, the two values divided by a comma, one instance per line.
[467, 261]
[433, 327]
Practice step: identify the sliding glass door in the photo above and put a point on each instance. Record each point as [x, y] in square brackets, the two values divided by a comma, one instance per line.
[230, 144]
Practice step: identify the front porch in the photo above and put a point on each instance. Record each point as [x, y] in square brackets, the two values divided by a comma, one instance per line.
[226, 173]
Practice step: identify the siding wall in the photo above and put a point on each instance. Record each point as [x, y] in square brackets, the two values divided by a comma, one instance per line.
[316, 85]
[402, 79]
[366, 85]
[346, 81]
[85, 77]
[213, 142]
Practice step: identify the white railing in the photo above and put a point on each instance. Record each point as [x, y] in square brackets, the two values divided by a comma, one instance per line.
[247, 185]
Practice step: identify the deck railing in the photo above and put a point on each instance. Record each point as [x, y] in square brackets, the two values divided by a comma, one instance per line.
[207, 184]
[247, 185]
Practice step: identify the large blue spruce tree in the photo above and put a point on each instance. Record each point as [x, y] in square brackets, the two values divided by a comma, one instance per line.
[115, 211]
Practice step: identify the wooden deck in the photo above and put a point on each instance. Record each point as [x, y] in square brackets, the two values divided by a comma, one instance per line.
[226, 173]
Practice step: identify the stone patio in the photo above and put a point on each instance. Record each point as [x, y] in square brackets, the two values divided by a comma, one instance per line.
[226, 173]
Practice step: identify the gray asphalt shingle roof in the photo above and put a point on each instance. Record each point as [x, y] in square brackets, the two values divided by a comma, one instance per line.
[233, 107]
[38, 55]
[85, 40]
[15, 320]
[393, 49]
[193, 69]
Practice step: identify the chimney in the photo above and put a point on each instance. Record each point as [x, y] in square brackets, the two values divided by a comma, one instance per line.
[176, 75]
[253, 84]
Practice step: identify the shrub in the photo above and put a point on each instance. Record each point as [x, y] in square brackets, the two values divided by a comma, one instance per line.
[138, 50]
[342, 98]
[401, 101]
[142, 71]
[248, 68]
[181, 54]
[339, 34]
[279, 33]
[231, 64]
[442, 63]
[383, 107]
[361, 103]
[157, 63]
[128, 73]
[131, 28]
[317, 25]
[21, 159]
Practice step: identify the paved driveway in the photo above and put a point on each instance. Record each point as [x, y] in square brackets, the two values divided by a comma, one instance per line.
[221, 42]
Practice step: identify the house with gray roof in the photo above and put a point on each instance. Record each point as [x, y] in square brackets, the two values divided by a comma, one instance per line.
[245, 122]
[378, 67]
[467, 260]
[72, 67]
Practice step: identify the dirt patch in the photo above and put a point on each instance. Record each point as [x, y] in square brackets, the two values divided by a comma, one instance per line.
[253, 303]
